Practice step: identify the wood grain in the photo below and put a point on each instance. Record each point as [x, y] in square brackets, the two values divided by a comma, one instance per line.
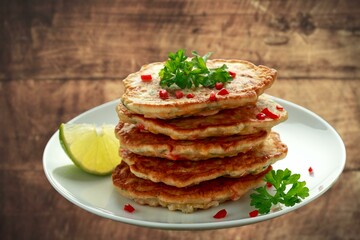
[58, 39]
[61, 58]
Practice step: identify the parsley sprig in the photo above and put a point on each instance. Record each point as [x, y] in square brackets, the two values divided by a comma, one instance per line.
[280, 179]
[187, 73]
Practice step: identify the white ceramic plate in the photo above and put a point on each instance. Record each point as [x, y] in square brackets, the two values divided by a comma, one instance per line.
[312, 142]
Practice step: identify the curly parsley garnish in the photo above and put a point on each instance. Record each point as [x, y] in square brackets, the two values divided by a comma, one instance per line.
[263, 200]
[187, 73]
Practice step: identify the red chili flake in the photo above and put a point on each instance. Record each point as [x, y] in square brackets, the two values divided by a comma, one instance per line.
[254, 213]
[220, 214]
[140, 126]
[270, 114]
[212, 96]
[146, 78]
[311, 171]
[219, 85]
[174, 156]
[261, 116]
[190, 95]
[232, 74]
[179, 94]
[129, 208]
[280, 108]
[223, 92]
[163, 94]
[269, 185]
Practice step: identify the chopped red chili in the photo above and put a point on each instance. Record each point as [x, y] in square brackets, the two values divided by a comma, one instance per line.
[179, 94]
[280, 108]
[311, 171]
[270, 114]
[190, 95]
[261, 116]
[163, 94]
[146, 78]
[220, 214]
[212, 96]
[232, 74]
[140, 126]
[219, 85]
[129, 208]
[223, 92]
[269, 185]
[254, 213]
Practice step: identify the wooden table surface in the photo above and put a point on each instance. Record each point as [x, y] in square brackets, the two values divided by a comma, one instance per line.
[60, 58]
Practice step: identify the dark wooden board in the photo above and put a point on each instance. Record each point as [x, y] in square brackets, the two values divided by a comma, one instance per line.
[110, 39]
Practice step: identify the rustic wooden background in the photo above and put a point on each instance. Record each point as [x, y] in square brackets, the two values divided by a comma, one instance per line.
[60, 58]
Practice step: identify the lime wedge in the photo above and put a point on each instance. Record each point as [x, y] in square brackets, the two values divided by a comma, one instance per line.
[93, 149]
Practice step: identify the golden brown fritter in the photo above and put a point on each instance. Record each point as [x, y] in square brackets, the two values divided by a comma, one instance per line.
[188, 199]
[143, 97]
[158, 145]
[186, 173]
[242, 120]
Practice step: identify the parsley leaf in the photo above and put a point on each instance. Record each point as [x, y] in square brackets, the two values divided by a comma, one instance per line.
[186, 73]
[280, 179]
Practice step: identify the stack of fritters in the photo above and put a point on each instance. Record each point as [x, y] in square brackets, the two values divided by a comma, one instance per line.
[194, 153]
